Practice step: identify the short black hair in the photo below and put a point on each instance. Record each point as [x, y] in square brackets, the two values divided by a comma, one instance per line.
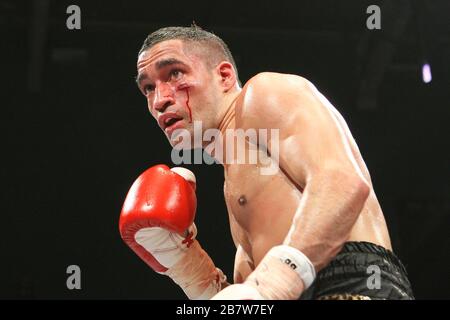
[218, 50]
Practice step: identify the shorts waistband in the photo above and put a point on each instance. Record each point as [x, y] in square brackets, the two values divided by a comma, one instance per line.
[348, 273]
[369, 247]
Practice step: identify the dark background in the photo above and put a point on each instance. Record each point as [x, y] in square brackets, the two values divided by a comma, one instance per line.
[76, 132]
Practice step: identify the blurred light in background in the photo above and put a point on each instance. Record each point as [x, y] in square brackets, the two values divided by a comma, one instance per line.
[426, 73]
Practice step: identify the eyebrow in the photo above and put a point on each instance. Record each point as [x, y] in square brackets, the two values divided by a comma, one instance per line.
[159, 65]
[167, 62]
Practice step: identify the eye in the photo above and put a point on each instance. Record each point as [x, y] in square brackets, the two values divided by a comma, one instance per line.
[175, 74]
[148, 88]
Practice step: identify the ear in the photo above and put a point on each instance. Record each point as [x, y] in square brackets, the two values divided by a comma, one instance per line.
[227, 75]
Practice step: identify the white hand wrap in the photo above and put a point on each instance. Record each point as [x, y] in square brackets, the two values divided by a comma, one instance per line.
[297, 261]
[283, 274]
[188, 265]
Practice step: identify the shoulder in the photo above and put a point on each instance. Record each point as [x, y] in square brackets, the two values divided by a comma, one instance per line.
[265, 78]
[272, 83]
[268, 95]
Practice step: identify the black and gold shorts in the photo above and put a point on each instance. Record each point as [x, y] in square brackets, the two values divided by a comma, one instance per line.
[361, 271]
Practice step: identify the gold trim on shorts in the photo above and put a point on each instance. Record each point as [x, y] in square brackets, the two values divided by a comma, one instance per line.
[344, 296]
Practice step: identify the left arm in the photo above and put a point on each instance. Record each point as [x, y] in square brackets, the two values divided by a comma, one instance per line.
[314, 153]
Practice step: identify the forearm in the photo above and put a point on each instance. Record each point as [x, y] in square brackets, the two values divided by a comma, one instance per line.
[197, 274]
[329, 208]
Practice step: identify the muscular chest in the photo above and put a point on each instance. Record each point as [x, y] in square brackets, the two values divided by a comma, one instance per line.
[259, 202]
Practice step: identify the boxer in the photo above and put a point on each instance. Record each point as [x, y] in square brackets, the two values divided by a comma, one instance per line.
[312, 230]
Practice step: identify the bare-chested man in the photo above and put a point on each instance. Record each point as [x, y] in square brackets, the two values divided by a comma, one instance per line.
[312, 229]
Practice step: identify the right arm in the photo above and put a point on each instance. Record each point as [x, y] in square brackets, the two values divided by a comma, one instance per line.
[157, 223]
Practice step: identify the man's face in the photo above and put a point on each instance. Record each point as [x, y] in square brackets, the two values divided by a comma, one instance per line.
[178, 86]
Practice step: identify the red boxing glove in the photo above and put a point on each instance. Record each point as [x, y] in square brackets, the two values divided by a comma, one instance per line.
[158, 198]
[157, 224]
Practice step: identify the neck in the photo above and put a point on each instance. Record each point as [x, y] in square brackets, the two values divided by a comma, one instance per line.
[226, 113]
[225, 121]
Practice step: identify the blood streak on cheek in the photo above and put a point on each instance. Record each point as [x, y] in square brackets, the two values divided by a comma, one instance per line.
[185, 87]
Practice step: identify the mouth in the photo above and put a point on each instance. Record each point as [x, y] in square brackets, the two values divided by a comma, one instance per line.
[172, 126]
[169, 121]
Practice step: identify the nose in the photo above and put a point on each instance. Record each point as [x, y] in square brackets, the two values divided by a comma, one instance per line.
[163, 97]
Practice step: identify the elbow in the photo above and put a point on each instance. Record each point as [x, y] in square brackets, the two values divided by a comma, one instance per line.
[357, 190]
[361, 190]
[352, 186]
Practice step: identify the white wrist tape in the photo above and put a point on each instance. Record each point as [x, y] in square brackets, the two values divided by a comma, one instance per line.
[196, 274]
[189, 266]
[297, 261]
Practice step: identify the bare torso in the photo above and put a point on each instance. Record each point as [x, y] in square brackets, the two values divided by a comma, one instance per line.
[261, 208]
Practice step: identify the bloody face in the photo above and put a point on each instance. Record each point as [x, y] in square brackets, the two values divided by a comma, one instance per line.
[178, 86]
